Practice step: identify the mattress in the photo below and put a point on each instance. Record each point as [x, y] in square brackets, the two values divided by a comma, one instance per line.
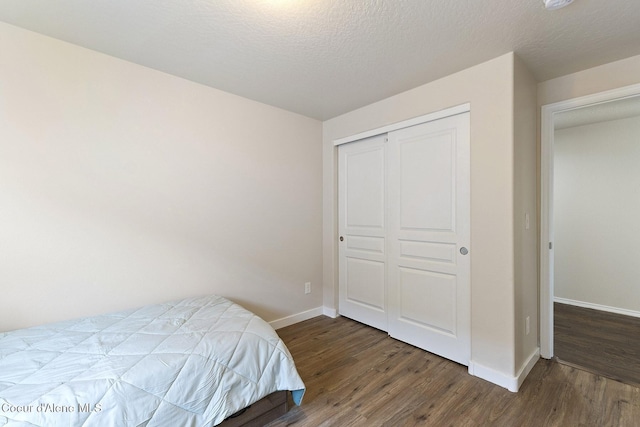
[192, 362]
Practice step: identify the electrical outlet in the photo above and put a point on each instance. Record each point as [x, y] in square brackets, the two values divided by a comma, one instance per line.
[527, 325]
[307, 288]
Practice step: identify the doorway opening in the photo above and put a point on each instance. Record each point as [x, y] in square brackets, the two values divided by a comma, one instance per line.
[588, 209]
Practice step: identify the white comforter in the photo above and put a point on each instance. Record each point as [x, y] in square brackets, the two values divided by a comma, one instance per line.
[187, 363]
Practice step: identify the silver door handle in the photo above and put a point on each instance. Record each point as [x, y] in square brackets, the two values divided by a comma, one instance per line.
[464, 250]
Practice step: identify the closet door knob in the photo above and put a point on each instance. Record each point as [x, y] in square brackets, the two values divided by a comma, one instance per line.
[464, 250]
[341, 238]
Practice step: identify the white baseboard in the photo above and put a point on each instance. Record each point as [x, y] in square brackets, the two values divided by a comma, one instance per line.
[330, 312]
[527, 367]
[600, 307]
[509, 382]
[297, 318]
[493, 376]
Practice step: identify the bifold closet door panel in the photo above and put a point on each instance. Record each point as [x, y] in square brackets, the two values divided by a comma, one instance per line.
[362, 231]
[428, 232]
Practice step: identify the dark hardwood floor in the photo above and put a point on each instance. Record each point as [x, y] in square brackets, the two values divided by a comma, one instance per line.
[358, 376]
[604, 343]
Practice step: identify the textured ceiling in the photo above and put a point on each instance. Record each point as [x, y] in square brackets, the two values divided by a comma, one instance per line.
[322, 58]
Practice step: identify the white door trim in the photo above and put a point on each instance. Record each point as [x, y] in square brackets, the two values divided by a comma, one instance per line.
[546, 201]
[447, 112]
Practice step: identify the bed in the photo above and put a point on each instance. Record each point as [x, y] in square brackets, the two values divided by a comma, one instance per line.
[195, 362]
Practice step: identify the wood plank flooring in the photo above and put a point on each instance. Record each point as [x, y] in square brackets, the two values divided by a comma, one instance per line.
[358, 376]
[600, 342]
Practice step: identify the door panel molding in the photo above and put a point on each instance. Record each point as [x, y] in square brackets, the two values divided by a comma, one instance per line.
[429, 296]
[400, 265]
[362, 246]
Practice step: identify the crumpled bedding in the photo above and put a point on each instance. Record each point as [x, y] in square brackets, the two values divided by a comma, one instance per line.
[192, 362]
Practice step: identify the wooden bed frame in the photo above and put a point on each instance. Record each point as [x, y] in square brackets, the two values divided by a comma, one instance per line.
[260, 413]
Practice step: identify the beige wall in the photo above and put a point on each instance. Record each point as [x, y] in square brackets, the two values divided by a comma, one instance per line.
[596, 206]
[605, 77]
[488, 87]
[525, 203]
[122, 186]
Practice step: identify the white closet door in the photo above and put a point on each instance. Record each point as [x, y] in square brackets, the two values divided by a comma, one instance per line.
[428, 232]
[361, 222]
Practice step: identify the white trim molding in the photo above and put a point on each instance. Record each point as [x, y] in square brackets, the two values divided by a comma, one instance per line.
[447, 112]
[527, 367]
[493, 376]
[297, 318]
[330, 312]
[546, 201]
[511, 383]
[600, 307]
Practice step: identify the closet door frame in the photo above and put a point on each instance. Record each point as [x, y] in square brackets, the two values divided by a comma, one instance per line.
[448, 112]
